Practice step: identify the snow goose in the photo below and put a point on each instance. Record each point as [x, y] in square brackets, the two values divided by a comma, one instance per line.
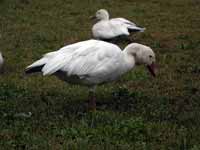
[1, 61]
[93, 62]
[106, 29]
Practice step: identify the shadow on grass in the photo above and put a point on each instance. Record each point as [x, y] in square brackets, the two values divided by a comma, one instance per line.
[178, 110]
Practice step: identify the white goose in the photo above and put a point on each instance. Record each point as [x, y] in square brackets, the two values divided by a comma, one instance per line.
[93, 62]
[106, 28]
[1, 61]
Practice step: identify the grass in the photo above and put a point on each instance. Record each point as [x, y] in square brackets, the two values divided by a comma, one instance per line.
[137, 112]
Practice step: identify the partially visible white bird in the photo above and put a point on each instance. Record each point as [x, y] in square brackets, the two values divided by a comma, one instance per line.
[106, 28]
[93, 62]
[1, 61]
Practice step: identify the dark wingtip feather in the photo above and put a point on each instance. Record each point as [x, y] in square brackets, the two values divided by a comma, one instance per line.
[34, 69]
[136, 29]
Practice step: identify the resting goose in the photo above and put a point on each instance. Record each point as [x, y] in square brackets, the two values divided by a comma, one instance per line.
[93, 62]
[106, 29]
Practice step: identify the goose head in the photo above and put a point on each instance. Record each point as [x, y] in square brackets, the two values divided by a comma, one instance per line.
[142, 55]
[102, 14]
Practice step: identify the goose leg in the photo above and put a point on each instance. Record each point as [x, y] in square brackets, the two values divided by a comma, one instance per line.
[92, 100]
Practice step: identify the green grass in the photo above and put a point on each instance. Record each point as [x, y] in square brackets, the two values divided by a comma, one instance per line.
[137, 112]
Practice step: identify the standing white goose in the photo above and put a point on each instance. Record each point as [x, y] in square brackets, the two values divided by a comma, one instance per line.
[1, 61]
[93, 62]
[106, 28]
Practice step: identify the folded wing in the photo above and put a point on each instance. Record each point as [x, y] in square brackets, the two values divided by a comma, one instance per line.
[130, 25]
[87, 58]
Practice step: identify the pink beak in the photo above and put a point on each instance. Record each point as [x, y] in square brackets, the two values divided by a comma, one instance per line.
[152, 69]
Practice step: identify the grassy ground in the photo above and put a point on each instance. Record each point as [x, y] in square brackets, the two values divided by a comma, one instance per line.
[138, 112]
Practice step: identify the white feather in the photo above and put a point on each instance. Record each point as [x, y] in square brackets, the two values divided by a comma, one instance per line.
[92, 62]
[110, 28]
[128, 24]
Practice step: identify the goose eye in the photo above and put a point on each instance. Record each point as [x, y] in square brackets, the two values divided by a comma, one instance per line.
[150, 56]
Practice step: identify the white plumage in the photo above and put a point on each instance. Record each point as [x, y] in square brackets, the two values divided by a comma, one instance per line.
[93, 62]
[107, 28]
